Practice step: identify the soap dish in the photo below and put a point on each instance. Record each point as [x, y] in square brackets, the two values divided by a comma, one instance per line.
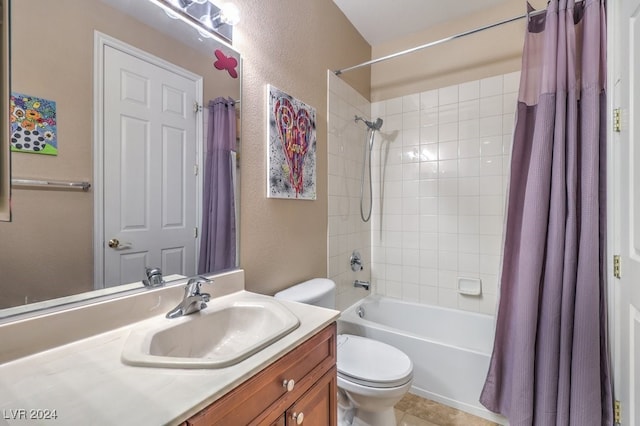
[470, 286]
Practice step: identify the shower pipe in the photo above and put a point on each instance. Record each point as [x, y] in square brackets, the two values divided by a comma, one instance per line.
[434, 43]
[372, 128]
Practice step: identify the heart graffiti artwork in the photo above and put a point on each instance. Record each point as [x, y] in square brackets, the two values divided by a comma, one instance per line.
[292, 147]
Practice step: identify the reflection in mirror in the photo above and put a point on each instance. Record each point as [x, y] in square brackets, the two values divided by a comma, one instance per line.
[125, 86]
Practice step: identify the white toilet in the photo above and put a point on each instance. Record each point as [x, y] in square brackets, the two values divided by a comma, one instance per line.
[374, 376]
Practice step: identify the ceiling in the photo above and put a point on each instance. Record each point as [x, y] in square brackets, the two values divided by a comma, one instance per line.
[380, 21]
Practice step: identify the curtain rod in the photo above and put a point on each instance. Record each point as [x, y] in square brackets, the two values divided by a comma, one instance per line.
[433, 43]
[236, 102]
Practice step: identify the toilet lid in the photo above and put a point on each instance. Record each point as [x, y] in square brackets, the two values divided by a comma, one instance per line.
[372, 363]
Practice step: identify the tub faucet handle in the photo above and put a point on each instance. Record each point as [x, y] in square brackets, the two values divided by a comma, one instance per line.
[356, 261]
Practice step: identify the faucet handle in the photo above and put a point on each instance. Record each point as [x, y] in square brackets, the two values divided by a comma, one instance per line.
[356, 261]
[194, 284]
[199, 279]
[152, 271]
[154, 277]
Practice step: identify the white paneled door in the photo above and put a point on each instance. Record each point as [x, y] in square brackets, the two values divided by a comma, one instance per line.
[149, 169]
[627, 209]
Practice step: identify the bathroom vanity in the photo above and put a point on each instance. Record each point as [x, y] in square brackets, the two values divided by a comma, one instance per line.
[82, 379]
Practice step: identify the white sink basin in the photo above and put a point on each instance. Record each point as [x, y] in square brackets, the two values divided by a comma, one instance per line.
[229, 330]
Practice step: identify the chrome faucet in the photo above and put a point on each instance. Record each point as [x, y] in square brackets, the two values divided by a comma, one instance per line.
[154, 277]
[193, 300]
[363, 284]
[356, 261]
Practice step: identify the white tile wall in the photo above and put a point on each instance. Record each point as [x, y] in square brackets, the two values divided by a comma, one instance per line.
[346, 230]
[440, 174]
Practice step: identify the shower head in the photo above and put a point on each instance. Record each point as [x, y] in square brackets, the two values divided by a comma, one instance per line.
[376, 125]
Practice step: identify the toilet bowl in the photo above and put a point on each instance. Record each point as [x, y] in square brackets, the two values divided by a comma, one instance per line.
[372, 376]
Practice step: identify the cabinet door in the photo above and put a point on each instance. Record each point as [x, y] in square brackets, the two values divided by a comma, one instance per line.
[279, 422]
[317, 407]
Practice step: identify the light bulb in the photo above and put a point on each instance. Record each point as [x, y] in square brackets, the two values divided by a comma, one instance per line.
[229, 13]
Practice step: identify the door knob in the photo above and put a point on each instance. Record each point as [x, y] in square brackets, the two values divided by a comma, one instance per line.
[114, 243]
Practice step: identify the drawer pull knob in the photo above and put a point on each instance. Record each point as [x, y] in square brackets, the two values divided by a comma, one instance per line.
[288, 385]
[298, 417]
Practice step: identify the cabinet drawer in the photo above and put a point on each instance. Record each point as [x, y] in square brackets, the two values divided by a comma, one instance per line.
[317, 407]
[262, 398]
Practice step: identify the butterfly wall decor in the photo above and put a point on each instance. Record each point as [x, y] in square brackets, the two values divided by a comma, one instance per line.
[224, 62]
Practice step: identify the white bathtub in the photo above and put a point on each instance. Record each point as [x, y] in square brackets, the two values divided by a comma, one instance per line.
[450, 349]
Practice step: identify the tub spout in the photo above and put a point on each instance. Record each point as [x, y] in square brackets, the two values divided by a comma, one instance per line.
[363, 284]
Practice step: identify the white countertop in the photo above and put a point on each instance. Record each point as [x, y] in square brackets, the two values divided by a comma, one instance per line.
[85, 382]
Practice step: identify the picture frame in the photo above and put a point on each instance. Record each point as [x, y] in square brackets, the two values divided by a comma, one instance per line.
[291, 147]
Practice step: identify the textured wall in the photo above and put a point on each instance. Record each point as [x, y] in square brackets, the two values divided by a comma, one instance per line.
[289, 44]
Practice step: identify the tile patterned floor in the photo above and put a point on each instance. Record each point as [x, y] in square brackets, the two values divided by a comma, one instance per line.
[415, 411]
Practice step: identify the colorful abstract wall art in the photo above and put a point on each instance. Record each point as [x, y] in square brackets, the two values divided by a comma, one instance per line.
[33, 125]
[291, 147]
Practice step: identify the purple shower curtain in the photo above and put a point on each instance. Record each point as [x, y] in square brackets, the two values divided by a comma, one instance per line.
[218, 236]
[550, 361]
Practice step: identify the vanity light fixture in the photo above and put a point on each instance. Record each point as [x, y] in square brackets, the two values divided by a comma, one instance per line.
[209, 19]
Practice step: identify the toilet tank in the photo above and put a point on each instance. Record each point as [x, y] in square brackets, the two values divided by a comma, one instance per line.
[318, 292]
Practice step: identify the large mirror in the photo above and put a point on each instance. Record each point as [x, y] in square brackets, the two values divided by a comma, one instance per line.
[122, 92]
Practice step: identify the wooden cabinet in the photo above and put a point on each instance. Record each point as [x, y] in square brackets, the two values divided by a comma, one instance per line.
[280, 422]
[317, 407]
[299, 388]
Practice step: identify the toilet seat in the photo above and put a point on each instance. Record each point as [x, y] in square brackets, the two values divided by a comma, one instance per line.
[372, 363]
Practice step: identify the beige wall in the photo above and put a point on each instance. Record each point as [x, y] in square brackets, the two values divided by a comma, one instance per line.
[483, 54]
[290, 44]
[47, 250]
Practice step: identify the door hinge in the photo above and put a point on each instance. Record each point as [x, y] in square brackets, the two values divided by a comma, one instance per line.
[196, 169]
[617, 120]
[617, 412]
[197, 107]
[195, 232]
[617, 266]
